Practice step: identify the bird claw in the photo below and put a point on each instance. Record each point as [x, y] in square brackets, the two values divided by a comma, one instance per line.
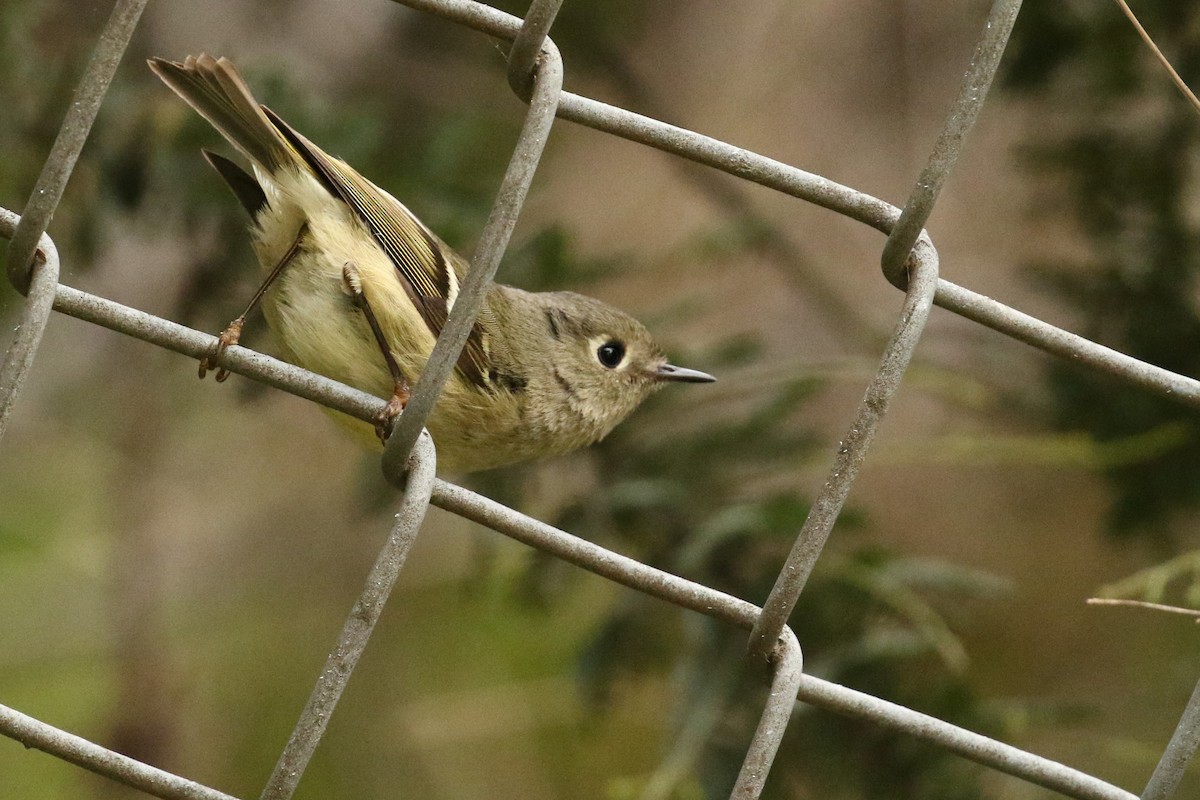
[227, 338]
[394, 408]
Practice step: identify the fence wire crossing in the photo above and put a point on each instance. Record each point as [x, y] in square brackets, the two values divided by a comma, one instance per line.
[535, 73]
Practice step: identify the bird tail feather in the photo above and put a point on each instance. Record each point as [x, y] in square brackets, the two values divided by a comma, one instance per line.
[213, 87]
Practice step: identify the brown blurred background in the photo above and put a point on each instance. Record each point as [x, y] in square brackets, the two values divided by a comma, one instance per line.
[176, 557]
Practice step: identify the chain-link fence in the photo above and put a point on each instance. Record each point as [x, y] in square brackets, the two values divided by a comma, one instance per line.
[909, 262]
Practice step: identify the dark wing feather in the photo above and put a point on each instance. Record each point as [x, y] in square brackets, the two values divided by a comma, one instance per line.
[420, 258]
[473, 362]
[242, 183]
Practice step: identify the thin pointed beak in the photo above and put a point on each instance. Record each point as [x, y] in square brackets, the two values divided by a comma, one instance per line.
[670, 372]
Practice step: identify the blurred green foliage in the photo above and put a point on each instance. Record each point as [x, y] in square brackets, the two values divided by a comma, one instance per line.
[1121, 149]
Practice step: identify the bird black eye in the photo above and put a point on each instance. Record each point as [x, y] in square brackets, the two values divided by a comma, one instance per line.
[611, 353]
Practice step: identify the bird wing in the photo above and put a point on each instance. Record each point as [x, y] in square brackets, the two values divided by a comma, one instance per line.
[426, 267]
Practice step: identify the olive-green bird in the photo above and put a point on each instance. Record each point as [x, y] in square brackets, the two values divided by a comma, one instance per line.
[357, 289]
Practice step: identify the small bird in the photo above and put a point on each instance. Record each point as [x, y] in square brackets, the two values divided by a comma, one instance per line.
[357, 289]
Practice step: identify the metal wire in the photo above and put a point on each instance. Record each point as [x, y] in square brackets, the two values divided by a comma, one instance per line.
[535, 74]
[193, 343]
[527, 47]
[978, 79]
[851, 453]
[592, 557]
[56, 171]
[94, 758]
[980, 749]
[34, 317]
[789, 671]
[1164, 781]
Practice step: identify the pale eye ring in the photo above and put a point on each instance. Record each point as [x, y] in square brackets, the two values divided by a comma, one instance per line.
[611, 353]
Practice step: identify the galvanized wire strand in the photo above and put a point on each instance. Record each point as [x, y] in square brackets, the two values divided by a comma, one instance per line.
[522, 59]
[851, 452]
[535, 131]
[32, 260]
[973, 746]
[181, 339]
[965, 110]
[789, 669]
[38, 735]
[193, 343]
[358, 627]
[1066, 345]
[35, 313]
[592, 557]
[85, 104]
[1168, 773]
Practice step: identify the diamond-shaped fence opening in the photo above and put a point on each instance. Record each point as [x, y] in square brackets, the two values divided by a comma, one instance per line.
[909, 261]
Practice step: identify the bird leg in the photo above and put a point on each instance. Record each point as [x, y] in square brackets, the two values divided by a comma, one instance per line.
[399, 399]
[233, 331]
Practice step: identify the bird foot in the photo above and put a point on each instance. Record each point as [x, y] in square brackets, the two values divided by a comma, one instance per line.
[227, 338]
[394, 408]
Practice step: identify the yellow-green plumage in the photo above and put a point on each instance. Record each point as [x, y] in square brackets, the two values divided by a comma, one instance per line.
[533, 380]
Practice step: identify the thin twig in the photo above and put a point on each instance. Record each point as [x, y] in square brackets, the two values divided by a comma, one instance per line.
[1183, 87]
[1118, 601]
